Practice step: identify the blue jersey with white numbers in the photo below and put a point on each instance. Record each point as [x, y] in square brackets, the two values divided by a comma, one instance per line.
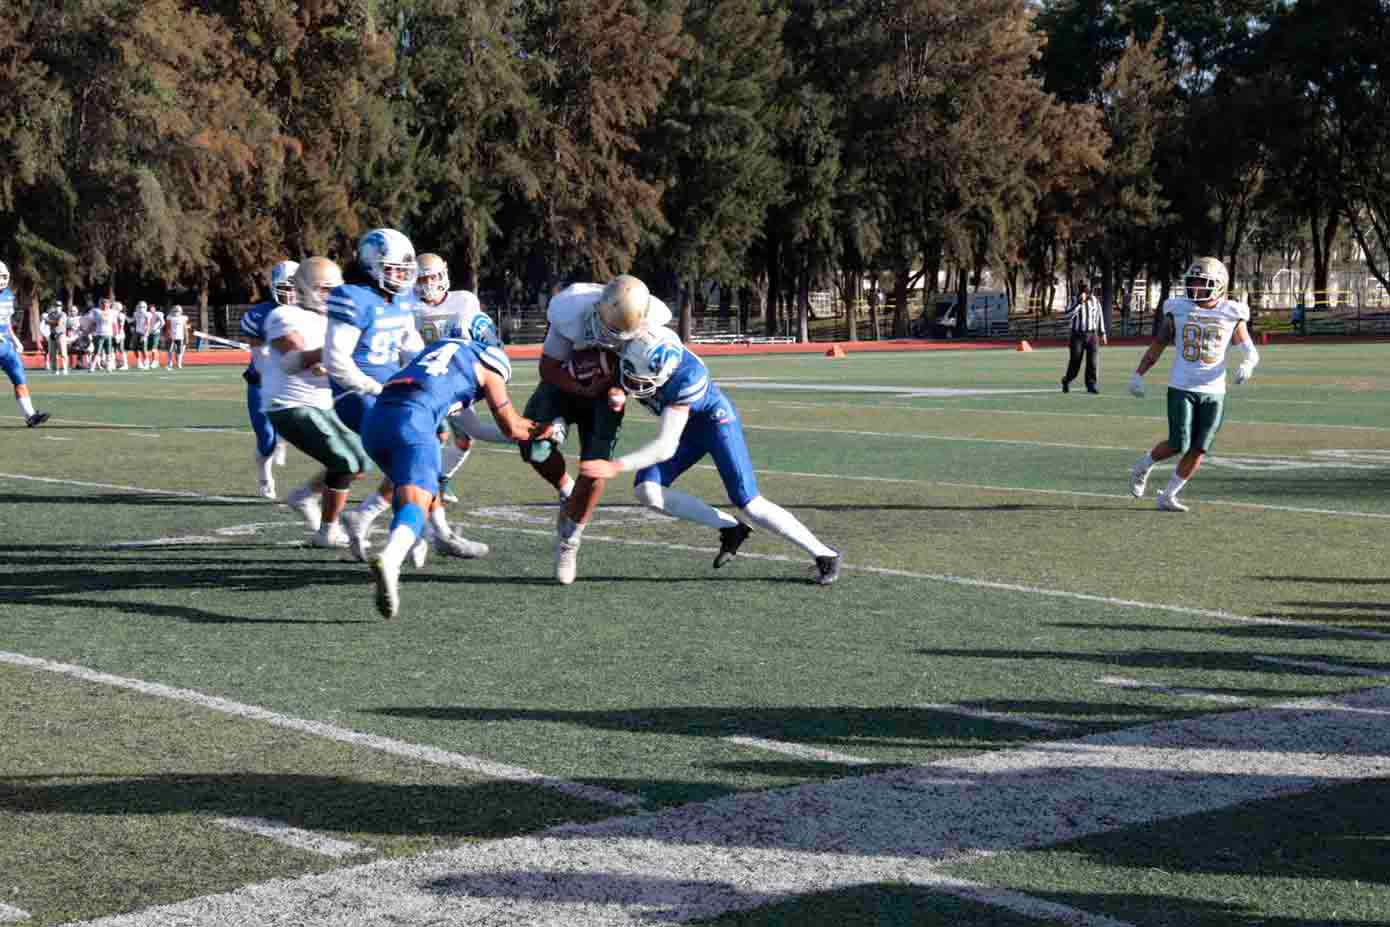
[443, 374]
[690, 385]
[385, 324]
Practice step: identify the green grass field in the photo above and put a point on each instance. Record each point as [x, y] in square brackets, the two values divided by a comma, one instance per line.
[739, 747]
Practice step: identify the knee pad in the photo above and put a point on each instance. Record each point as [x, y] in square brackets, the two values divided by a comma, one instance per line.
[536, 452]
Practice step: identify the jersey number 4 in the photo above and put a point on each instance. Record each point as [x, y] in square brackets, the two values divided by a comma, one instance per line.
[436, 363]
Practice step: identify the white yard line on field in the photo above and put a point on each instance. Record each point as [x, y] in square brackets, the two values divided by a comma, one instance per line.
[295, 837]
[12, 915]
[902, 827]
[1121, 682]
[421, 752]
[117, 487]
[800, 751]
[1036, 724]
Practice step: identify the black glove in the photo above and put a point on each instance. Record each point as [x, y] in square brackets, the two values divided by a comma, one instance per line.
[252, 376]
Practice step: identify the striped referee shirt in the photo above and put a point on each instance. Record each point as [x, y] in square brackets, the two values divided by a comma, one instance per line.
[1086, 316]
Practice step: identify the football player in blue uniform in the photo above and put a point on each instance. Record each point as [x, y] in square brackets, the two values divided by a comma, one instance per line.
[401, 435]
[11, 354]
[268, 451]
[371, 325]
[697, 419]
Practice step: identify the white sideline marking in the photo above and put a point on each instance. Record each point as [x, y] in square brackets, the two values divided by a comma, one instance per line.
[180, 493]
[962, 439]
[421, 752]
[750, 850]
[295, 837]
[1121, 682]
[1036, 724]
[1334, 668]
[54, 438]
[901, 392]
[9, 915]
[800, 751]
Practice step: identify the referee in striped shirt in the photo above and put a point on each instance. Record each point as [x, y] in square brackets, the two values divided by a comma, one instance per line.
[1087, 333]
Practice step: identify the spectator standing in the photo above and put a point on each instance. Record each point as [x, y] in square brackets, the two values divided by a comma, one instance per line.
[1087, 334]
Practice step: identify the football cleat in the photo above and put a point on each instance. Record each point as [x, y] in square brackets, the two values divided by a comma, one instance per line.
[566, 561]
[419, 553]
[266, 490]
[452, 545]
[1167, 503]
[730, 540]
[388, 592]
[827, 570]
[1138, 479]
[306, 502]
[354, 523]
[329, 537]
[37, 419]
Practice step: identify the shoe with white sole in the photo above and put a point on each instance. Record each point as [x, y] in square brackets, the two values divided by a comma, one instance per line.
[266, 489]
[388, 591]
[566, 561]
[454, 546]
[1167, 503]
[354, 523]
[419, 553]
[1138, 479]
[329, 536]
[307, 503]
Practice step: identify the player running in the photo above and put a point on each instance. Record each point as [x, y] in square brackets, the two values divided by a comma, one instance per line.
[11, 354]
[1205, 325]
[583, 316]
[253, 330]
[400, 434]
[299, 403]
[371, 330]
[697, 419]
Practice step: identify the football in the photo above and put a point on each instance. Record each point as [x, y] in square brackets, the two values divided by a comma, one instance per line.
[590, 364]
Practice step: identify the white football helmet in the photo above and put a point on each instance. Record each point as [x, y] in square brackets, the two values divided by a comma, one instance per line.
[313, 281]
[388, 257]
[621, 311]
[474, 326]
[282, 282]
[142, 306]
[649, 360]
[432, 282]
[4, 275]
[1205, 279]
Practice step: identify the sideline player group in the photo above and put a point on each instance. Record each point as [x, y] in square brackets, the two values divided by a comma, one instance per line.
[340, 370]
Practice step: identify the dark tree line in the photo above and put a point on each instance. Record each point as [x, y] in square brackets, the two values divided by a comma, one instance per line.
[178, 147]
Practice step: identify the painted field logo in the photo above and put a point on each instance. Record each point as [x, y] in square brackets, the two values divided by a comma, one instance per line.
[1326, 459]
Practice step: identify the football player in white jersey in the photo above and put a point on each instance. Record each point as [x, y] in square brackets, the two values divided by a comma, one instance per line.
[177, 323]
[54, 326]
[11, 354]
[583, 316]
[103, 320]
[1203, 325]
[445, 313]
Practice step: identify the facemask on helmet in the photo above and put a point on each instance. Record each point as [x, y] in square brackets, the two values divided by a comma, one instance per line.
[648, 361]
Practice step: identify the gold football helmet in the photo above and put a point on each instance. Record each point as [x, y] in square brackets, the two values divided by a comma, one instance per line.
[313, 280]
[1205, 279]
[432, 279]
[621, 312]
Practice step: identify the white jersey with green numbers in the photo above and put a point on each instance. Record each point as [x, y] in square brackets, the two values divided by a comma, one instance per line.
[1201, 337]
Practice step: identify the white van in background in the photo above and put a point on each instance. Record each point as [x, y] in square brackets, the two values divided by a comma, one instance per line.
[986, 314]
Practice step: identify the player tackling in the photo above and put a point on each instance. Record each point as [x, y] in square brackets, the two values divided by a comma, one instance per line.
[1204, 324]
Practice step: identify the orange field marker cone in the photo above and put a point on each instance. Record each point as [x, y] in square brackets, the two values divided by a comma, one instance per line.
[1024, 345]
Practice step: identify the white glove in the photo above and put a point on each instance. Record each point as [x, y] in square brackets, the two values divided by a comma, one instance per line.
[1243, 371]
[1136, 384]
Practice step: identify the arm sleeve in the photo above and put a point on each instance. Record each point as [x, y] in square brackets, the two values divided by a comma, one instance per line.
[663, 446]
[472, 425]
[337, 357]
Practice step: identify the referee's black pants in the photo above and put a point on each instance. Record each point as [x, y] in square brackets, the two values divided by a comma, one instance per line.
[1087, 343]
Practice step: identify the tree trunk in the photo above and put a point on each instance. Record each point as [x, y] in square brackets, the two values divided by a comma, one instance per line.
[900, 280]
[803, 307]
[774, 283]
[873, 310]
[686, 318]
[853, 284]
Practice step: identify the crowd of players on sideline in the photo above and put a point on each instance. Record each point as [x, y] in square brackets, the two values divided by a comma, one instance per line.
[382, 366]
[106, 336]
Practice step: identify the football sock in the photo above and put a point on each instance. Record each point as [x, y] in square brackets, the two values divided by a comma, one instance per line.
[439, 521]
[26, 405]
[570, 531]
[264, 464]
[682, 505]
[772, 517]
[1146, 462]
[453, 458]
[372, 507]
[406, 529]
[1175, 485]
[566, 487]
